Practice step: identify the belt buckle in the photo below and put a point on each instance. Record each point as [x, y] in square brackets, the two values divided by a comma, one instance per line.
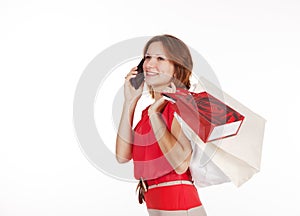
[143, 184]
[142, 188]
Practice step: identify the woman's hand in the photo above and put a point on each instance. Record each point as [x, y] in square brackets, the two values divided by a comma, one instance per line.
[159, 104]
[131, 94]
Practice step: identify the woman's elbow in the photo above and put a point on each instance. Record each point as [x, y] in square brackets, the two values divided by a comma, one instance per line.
[122, 160]
[123, 151]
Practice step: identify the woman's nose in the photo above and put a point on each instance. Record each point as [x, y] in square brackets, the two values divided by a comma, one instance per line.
[151, 62]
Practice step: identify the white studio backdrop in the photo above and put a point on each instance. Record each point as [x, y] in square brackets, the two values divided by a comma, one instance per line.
[252, 46]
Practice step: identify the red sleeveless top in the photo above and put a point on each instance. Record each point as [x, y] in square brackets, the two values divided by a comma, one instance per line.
[149, 161]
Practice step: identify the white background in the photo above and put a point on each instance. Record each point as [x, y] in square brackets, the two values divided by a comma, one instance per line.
[252, 46]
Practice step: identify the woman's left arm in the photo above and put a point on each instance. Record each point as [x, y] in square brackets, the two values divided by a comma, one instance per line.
[174, 144]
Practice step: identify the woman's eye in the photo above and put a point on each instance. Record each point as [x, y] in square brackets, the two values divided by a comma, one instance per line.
[147, 57]
[160, 59]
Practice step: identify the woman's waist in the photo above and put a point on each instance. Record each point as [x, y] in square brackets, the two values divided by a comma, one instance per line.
[172, 176]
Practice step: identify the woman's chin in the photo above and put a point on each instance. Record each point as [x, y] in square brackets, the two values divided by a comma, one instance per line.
[150, 81]
[157, 86]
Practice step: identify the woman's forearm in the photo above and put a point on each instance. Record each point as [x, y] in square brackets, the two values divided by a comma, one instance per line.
[125, 133]
[175, 151]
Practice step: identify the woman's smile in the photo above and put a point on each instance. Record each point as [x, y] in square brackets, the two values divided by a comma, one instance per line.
[151, 73]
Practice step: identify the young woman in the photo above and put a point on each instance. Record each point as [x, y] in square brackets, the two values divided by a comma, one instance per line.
[160, 151]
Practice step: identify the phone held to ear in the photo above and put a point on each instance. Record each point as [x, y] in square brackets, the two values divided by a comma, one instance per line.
[137, 81]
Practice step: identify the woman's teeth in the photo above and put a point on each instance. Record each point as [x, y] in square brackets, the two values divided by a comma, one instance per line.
[151, 73]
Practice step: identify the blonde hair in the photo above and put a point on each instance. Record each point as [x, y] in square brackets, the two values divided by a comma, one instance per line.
[179, 54]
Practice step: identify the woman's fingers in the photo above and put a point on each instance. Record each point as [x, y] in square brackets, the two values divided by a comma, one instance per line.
[170, 89]
[131, 74]
[157, 106]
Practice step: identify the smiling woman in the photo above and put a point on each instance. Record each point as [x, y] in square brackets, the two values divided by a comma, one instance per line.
[158, 69]
[160, 151]
[169, 49]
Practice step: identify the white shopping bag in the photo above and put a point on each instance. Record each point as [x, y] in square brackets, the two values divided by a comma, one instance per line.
[235, 158]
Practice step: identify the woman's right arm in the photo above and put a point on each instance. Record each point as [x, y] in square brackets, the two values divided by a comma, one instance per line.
[125, 132]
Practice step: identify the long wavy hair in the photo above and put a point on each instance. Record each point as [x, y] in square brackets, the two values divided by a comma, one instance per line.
[177, 53]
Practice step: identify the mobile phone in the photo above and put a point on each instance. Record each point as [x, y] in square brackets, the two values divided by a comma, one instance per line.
[137, 81]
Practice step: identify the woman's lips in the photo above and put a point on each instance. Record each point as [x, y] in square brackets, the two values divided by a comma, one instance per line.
[151, 73]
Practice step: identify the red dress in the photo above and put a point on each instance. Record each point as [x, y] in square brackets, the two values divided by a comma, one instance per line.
[151, 164]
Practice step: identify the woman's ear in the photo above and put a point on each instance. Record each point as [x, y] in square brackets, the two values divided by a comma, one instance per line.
[174, 78]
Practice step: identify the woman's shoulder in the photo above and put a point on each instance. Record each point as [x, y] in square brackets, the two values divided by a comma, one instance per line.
[145, 111]
[170, 108]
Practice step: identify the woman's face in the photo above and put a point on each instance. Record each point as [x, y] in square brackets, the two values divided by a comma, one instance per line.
[158, 70]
